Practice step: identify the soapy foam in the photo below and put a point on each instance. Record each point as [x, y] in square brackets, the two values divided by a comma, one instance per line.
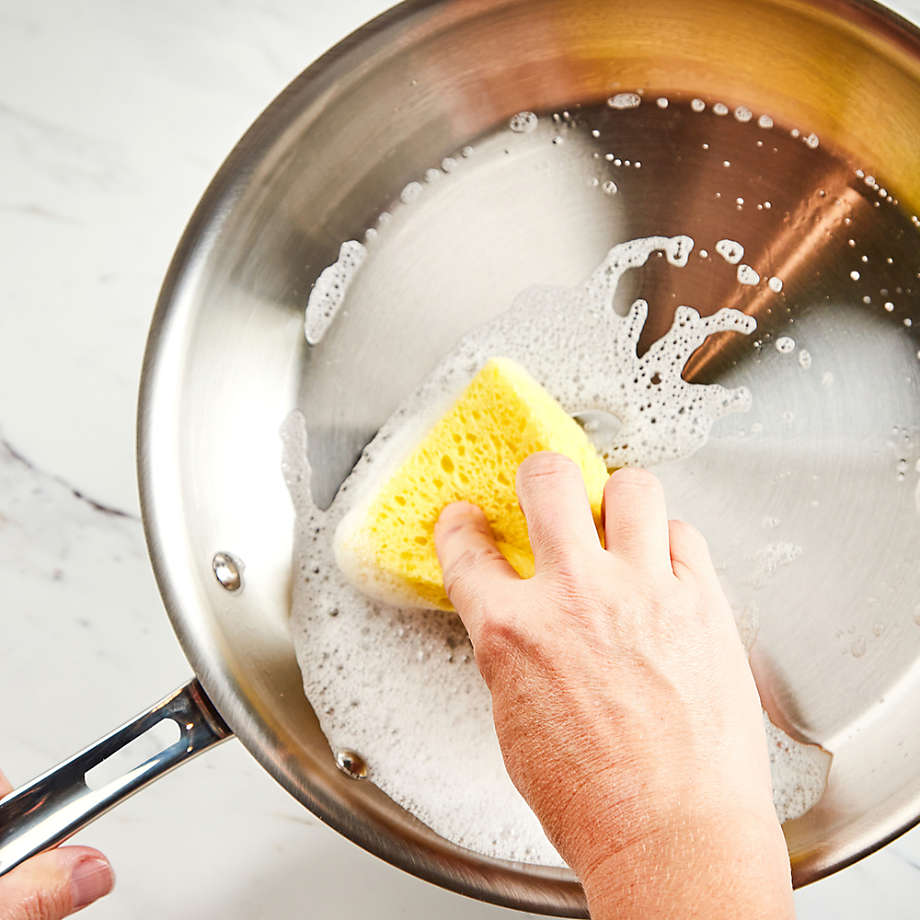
[400, 685]
[329, 291]
[799, 772]
[730, 250]
[523, 122]
[624, 101]
[747, 275]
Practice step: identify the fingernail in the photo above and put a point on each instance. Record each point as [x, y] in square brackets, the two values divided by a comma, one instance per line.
[91, 879]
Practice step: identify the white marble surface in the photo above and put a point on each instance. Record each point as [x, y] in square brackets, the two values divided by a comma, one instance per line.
[113, 117]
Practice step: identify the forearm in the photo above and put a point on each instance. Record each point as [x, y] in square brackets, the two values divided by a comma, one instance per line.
[713, 870]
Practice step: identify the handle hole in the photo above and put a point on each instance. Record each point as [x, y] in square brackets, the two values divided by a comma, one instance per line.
[156, 739]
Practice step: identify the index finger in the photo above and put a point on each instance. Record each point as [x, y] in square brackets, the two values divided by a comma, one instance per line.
[475, 571]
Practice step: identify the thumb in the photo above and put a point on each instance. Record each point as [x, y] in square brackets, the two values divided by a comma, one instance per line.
[55, 884]
[473, 566]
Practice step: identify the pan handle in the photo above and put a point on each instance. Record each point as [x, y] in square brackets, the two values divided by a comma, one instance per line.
[58, 803]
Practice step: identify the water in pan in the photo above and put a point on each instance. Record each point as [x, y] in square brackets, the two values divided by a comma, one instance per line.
[763, 505]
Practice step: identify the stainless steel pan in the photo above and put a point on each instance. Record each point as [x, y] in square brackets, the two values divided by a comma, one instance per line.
[226, 361]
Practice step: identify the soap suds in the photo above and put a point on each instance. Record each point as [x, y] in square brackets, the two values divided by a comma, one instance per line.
[400, 685]
[329, 291]
[731, 251]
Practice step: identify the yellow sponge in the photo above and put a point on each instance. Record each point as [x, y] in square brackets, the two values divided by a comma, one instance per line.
[472, 453]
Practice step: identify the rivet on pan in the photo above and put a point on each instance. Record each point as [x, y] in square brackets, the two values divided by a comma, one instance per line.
[227, 571]
[351, 763]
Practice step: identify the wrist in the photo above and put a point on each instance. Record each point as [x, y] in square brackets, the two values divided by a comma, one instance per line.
[714, 866]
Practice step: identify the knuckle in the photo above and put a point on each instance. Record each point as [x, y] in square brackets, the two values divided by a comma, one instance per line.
[458, 572]
[498, 639]
[545, 465]
[457, 513]
[633, 478]
[575, 574]
[41, 904]
[497, 633]
[460, 577]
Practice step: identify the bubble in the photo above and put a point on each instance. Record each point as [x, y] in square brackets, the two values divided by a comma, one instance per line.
[467, 151]
[410, 192]
[523, 122]
[624, 101]
[697, 105]
[747, 275]
[775, 284]
[854, 275]
[662, 102]
[785, 344]
[609, 187]
[812, 141]
[432, 175]
[720, 108]
[448, 164]
[730, 250]
[804, 358]
[765, 121]
[743, 113]
[888, 306]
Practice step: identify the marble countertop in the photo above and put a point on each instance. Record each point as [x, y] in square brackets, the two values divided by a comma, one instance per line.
[113, 118]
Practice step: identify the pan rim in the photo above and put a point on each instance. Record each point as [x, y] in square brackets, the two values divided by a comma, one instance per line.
[509, 884]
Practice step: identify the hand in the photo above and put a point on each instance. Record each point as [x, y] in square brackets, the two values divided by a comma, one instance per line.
[623, 701]
[54, 884]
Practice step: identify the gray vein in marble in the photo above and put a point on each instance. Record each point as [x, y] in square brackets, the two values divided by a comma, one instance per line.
[60, 150]
[36, 210]
[43, 125]
[101, 507]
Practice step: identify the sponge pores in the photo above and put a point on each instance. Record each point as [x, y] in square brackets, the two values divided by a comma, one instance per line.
[385, 545]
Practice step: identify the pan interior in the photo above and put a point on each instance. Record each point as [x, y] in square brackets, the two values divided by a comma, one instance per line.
[808, 499]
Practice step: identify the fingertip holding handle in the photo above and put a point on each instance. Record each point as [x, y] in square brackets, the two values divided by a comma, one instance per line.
[55, 805]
